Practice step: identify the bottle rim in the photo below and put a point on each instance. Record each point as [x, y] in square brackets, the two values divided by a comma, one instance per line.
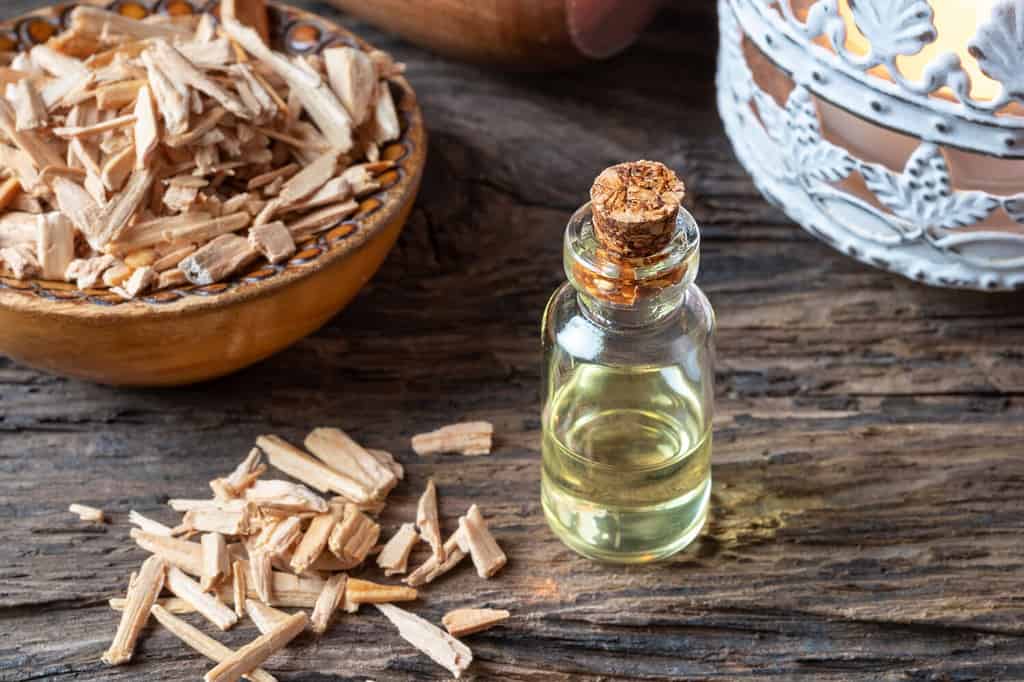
[587, 260]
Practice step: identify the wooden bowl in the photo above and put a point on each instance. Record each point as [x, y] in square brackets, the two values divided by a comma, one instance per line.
[520, 34]
[189, 334]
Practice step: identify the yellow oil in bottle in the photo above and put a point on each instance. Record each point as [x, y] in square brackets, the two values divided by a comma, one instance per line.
[627, 462]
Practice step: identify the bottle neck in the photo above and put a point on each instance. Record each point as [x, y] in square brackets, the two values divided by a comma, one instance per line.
[639, 315]
[630, 293]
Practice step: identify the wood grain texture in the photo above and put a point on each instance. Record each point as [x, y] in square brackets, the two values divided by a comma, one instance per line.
[868, 463]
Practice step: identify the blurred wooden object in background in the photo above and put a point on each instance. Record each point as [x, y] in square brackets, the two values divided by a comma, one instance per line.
[525, 34]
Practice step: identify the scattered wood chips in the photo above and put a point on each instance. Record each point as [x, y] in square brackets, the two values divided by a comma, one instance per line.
[267, 544]
[137, 155]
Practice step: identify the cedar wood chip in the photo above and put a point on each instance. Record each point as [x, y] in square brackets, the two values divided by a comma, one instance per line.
[116, 96]
[314, 541]
[431, 569]
[239, 586]
[467, 438]
[274, 241]
[142, 594]
[190, 591]
[188, 556]
[148, 525]
[321, 220]
[115, 216]
[328, 602]
[278, 536]
[355, 536]
[55, 244]
[462, 622]
[388, 460]
[261, 576]
[366, 592]
[428, 522]
[216, 563]
[29, 110]
[353, 77]
[265, 617]
[441, 647]
[245, 474]
[18, 229]
[475, 537]
[341, 453]
[10, 190]
[394, 558]
[217, 521]
[223, 256]
[87, 273]
[20, 260]
[86, 513]
[309, 470]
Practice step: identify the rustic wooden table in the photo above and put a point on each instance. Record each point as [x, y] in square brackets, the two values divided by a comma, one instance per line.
[869, 440]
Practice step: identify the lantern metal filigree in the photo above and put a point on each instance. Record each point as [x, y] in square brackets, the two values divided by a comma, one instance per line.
[916, 170]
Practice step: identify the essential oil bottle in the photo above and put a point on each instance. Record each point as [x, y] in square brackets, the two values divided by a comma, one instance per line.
[628, 377]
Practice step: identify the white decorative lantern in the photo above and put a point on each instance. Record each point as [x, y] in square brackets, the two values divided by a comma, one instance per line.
[891, 129]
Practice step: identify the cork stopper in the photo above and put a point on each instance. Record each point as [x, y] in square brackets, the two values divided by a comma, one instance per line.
[635, 206]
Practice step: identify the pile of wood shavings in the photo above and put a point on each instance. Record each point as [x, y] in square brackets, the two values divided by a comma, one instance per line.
[277, 543]
[138, 155]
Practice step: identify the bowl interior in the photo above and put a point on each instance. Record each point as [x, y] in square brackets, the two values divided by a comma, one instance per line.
[292, 31]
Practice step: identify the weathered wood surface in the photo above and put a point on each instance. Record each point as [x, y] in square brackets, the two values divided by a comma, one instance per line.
[869, 446]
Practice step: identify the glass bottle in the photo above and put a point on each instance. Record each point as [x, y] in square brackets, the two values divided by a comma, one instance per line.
[628, 386]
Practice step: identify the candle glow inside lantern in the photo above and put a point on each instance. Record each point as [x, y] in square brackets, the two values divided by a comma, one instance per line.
[891, 129]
